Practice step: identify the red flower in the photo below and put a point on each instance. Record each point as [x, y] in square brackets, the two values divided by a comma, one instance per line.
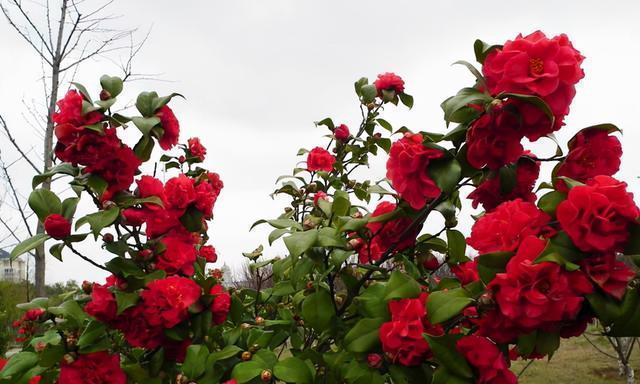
[341, 132]
[206, 198]
[208, 252]
[70, 111]
[94, 368]
[180, 192]
[35, 380]
[592, 152]
[320, 195]
[57, 226]
[85, 147]
[374, 360]
[485, 357]
[536, 65]
[466, 272]
[117, 168]
[431, 262]
[165, 302]
[149, 186]
[597, 216]
[503, 229]
[611, 275]
[533, 64]
[320, 159]
[408, 170]
[103, 304]
[196, 149]
[386, 234]
[537, 295]
[171, 127]
[493, 139]
[389, 81]
[179, 254]
[490, 192]
[137, 329]
[220, 305]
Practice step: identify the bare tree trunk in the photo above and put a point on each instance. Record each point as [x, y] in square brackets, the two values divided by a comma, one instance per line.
[624, 347]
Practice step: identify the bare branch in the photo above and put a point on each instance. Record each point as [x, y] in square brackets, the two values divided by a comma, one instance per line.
[18, 5]
[24, 35]
[15, 196]
[15, 144]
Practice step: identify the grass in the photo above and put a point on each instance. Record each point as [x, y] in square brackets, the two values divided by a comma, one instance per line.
[579, 362]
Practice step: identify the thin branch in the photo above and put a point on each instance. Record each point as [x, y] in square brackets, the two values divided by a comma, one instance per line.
[598, 348]
[15, 144]
[85, 258]
[15, 196]
[24, 36]
[37, 31]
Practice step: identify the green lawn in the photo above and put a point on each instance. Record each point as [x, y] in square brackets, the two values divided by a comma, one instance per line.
[577, 362]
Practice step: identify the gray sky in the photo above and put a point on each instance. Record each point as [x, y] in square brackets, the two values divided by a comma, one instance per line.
[256, 75]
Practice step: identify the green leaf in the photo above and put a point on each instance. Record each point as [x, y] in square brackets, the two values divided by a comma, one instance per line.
[44, 203]
[98, 220]
[456, 108]
[385, 124]
[401, 286]
[56, 250]
[633, 246]
[549, 202]
[444, 350]
[144, 148]
[83, 90]
[144, 103]
[491, 264]
[372, 303]
[327, 122]
[457, 246]
[293, 370]
[533, 100]
[368, 92]
[111, 84]
[508, 181]
[29, 244]
[227, 352]
[246, 371]
[299, 242]
[406, 99]
[62, 168]
[19, 363]
[195, 361]
[318, 310]
[444, 305]
[94, 331]
[446, 173]
[482, 49]
[192, 219]
[126, 300]
[474, 71]
[364, 336]
[160, 102]
[68, 208]
[145, 124]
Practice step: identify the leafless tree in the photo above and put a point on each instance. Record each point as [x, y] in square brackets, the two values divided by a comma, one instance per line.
[247, 277]
[63, 34]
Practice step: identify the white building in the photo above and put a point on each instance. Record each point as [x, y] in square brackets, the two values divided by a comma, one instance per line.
[15, 270]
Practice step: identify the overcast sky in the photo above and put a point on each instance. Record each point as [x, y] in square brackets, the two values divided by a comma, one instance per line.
[257, 74]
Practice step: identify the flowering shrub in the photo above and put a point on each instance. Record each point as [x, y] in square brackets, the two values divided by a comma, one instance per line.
[363, 295]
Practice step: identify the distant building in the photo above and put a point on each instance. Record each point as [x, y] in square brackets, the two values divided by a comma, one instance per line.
[15, 270]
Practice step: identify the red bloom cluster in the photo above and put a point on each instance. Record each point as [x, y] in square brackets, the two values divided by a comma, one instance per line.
[171, 127]
[543, 295]
[341, 132]
[166, 301]
[389, 81]
[490, 192]
[609, 274]
[220, 305]
[536, 65]
[597, 216]
[408, 170]
[94, 368]
[592, 152]
[27, 324]
[386, 234]
[57, 226]
[319, 159]
[402, 337]
[503, 229]
[98, 149]
[487, 360]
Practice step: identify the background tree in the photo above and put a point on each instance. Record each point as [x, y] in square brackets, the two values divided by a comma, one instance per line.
[63, 34]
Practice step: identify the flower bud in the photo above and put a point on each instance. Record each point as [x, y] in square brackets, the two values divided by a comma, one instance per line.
[104, 95]
[374, 360]
[107, 238]
[259, 320]
[254, 348]
[266, 376]
[245, 326]
[87, 287]
[182, 159]
[145, 254]
[108, 204]
[246, 356]
[40, 346]
[371, 106]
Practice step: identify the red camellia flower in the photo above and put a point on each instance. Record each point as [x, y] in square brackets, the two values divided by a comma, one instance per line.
[57, 226]
[206, 198]
[180, 192]
[611, 275]
[196, 149]
[493, 139]
[85, 147]
[490, 192]
[389, 81]
[179, 254]
[70, 111]
[220, 305]
[208, 252]
[319, 159]
[117, 168]
[536, 295]
[149, 186]
[466, 272]
[597, 216]
[94, 368]
[592, 152]
[137, 329]
[485, 357]
[171, 127]
[386, 234]
[103, 304]
[166, 301]
[341, 132]
[503, 229]
[320, 195]
[401, 337]
[408, 170]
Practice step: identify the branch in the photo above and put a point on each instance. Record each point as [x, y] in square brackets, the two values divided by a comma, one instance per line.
[13, 233]
[598, 348]
[15, 144]
[26, 17]
[85, 258]
[24, 36]
[18, 204]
